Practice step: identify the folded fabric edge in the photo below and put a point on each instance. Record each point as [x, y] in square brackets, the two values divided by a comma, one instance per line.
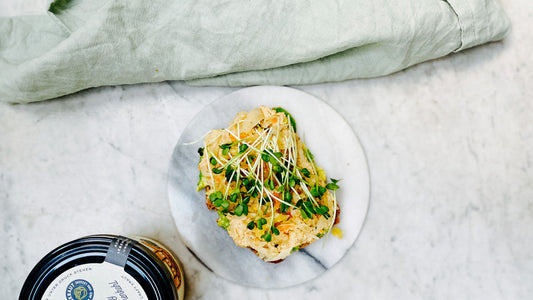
[61, 25]
[481, 21]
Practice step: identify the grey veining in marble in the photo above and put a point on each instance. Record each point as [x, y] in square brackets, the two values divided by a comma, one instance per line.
[449, 145]
[336, 150]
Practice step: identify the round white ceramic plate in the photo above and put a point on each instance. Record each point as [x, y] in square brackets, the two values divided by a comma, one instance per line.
[336, 149]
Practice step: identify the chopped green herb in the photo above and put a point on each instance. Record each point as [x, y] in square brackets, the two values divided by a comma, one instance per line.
[213, 161]
[201, 151]
[243, 148]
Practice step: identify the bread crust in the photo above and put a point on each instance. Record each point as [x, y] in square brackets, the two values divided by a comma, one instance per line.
[207, 201]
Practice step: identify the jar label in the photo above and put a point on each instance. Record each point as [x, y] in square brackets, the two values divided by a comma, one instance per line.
[94, 281]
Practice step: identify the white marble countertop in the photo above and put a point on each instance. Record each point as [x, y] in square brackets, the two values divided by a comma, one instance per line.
[449, 145]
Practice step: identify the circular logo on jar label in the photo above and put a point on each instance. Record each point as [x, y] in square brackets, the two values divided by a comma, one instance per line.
[79, 289]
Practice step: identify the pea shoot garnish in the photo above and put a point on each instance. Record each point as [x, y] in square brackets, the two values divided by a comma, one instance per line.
[251, 225]
[261, 222]
[239, 209]
[267, 236]
[332, 185]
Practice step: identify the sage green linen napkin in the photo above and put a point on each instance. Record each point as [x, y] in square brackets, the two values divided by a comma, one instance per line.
[93, 43]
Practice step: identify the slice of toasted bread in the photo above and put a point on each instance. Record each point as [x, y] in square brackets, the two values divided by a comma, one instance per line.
[263, 181]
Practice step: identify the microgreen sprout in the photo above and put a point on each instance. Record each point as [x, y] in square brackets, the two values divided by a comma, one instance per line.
[260, 223]
[265, 157]
[274, 230]
[267, 237]
[332, 185]
[239, 209]
[251, 225]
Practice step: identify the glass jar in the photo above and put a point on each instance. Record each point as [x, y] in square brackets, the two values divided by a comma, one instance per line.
[106, 267]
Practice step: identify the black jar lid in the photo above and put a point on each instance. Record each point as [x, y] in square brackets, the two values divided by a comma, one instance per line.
[142, 264]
